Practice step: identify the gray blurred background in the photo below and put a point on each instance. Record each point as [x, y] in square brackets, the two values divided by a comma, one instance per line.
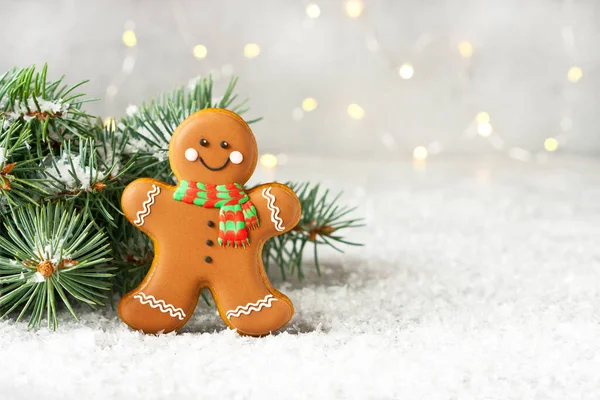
[418, 72]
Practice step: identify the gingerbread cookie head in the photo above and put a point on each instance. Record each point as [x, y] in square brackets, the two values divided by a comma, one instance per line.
[213, 146]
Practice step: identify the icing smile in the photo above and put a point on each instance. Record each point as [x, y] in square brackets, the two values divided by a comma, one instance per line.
[216, 168]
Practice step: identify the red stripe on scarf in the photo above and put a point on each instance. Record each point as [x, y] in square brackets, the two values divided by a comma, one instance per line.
[188, 199]
[211, 191]
[233, 201]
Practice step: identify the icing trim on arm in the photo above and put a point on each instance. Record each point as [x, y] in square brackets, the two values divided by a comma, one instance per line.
[275, 218]
[141, 215]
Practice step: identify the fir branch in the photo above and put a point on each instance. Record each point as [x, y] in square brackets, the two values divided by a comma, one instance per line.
[86, 178]
[52, 107]
[110, 148]
[17, 164]
[50, 256]
[133, 253]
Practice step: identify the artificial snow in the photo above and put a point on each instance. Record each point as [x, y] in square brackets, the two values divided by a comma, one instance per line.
[36, 278]
[478, 280]
[51, 251]
[22, 108]
[131, 110]
[77, 176]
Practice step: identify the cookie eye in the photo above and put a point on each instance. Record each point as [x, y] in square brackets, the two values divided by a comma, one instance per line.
[224, 144]
[203, 142]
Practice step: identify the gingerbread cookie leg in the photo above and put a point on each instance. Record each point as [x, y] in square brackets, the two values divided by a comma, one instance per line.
[163, 302]
[250, 304]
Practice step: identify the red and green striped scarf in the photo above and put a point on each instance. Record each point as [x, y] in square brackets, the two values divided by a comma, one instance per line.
[236, 215]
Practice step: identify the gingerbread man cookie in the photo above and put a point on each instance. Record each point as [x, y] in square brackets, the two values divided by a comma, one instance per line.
[208, 231]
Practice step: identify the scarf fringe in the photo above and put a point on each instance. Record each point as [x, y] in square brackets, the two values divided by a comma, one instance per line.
[234, 243]
[254, 224]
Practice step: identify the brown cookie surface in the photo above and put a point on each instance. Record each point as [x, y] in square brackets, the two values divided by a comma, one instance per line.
[208, 232]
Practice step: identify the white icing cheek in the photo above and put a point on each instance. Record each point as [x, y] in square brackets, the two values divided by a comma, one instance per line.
[236, 157]
[191, 154]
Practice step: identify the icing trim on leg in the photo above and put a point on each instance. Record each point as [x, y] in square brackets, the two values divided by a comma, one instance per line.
[248, 308]
[141, 215]
[161, 305]
[275, 218]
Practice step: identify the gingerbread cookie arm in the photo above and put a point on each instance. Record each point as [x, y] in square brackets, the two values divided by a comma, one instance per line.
[278, 208]
[140, 199]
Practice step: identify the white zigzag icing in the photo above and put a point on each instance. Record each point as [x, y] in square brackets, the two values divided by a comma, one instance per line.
[160, 304]
[277, 221]
[141, 215]
[248, 308]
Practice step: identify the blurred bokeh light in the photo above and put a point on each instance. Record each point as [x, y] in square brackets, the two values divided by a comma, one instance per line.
[414, 73]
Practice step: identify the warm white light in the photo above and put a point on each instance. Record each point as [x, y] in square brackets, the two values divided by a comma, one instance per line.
[309, 104]
[227, 69]
[355, 111]
[574, 74]
[251, 50]
[373, 44]
[406, 71]
[465, 48]
[354, 8]
[485, 129]
[130, 24]
[128, 64]
[496, 142]
[434, 148]
[268, 160]
[388, 140]
[551, 144]
[313, 11]
[200, 51]
[282, 158]
[109, 123]
[129, 38]
[519, 154]
[566, 124]
[215, 73]
[420, 153]
[482, 118]
[297, 114]
[112, 90]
